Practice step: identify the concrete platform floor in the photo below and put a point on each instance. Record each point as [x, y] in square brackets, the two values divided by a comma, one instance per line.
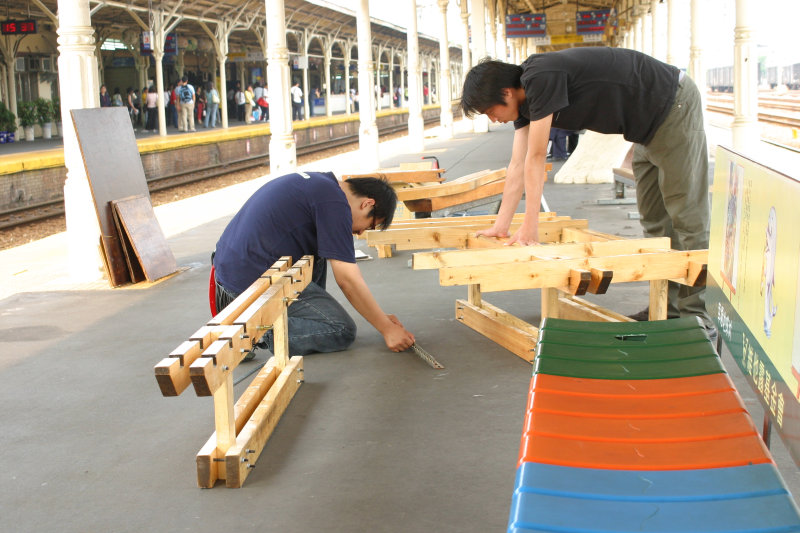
[373, 441]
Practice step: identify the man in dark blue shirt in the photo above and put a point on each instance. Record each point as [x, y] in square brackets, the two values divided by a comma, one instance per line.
[311, 214]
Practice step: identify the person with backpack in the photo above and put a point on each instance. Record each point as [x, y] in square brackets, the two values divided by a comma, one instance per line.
[186, 99]
[213, 105]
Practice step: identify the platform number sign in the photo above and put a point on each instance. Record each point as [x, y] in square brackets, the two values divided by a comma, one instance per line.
[16, 27]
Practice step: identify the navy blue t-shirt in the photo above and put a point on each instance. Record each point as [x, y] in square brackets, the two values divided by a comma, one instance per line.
[294, 215]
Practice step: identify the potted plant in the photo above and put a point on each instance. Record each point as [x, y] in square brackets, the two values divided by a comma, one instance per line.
[28, 117]
[8, 124]
[44, 108]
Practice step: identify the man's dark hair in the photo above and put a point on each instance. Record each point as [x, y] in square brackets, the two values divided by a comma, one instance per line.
[484, 84]
[379, 190]
[185, 79]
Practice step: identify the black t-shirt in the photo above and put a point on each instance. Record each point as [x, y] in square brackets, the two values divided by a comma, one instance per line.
[295, 215]
[607, 90]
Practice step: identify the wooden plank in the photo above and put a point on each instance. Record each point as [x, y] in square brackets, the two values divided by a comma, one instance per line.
[459, 237]
[146, 237]
[403, 175]
[663, 265]
[241, 457]
[114, 171]
[461, 185]
[172, 372]
[491, 324]
[134, 266]
[435, 203]
[579, 280]
[224, 421]
[549, 297]
[209, 457]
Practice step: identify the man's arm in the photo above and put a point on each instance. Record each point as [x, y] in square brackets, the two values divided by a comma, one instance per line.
[513, 188]
[348, 277]
[534, 176]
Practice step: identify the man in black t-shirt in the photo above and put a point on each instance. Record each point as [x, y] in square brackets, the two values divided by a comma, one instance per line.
[315, 214]
[607, 90]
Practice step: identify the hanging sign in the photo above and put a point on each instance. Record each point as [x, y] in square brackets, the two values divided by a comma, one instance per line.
[16, 27]
[588, 22]
[524, 25]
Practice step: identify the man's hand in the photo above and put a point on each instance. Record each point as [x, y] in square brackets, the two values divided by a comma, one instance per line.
[494, 231]
[396, 337]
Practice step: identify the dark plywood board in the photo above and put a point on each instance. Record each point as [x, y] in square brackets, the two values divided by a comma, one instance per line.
[141, 227]
[114, 169]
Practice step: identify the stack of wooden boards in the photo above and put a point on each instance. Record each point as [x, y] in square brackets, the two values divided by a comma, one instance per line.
[637, 427]
[207, 361]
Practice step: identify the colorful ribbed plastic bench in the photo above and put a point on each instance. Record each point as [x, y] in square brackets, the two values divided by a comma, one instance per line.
[637, 427]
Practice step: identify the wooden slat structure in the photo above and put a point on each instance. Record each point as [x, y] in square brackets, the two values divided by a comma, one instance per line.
[207, 361]
[570, 261]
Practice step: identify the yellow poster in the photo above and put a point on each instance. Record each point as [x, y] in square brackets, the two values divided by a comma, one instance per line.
[754, 255]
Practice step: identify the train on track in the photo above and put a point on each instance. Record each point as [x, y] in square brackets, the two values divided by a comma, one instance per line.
[720, 79]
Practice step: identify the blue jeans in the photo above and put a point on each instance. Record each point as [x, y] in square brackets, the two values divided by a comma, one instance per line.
[211, 111]
[317, 322]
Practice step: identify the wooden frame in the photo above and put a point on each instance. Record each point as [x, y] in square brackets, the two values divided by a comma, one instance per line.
[207, 361]
[572, 261]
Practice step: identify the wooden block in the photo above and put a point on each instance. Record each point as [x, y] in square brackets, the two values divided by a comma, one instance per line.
[241, 457]
[211, 370]
[499, 326]
[579, 280]
[550, 308]
[384, 250]
[141, 226]
[586, 235]
[224, 421]
[601, 279]
[697, 274]
[172, 373]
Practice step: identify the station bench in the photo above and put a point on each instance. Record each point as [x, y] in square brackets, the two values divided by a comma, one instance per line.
[637, 427]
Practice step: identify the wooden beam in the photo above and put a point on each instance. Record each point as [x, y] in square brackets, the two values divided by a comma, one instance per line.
[435, 203]
[579, 280]
[403, 176]
[601, 279]
[241, 458]
[513, 254]
[508, 331]
[460, 185]
[663, 265]
[587, 235]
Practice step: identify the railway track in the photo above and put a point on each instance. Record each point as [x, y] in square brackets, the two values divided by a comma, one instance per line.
[783, 112]
[42, 211]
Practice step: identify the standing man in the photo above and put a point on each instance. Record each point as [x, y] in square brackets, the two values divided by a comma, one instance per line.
[297, 101]
[608, 90]
[186, 97]
[310, 214]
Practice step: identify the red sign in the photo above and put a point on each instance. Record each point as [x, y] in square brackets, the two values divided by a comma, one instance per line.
[14, 27]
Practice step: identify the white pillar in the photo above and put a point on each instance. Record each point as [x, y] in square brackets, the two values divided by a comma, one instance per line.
[502, 42]
[79, 89]
[672, 31]
[637, 33]
[696, 71]
[282, 147]
[327, 62]
[745, 89]
[445, 111]
[306, 93]
[478, 23]
[647, 33]
[658, 30]
[416, 126]
[222, 57]
[368, 132]
[466, 59]
[347, 57]
[159, 39]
